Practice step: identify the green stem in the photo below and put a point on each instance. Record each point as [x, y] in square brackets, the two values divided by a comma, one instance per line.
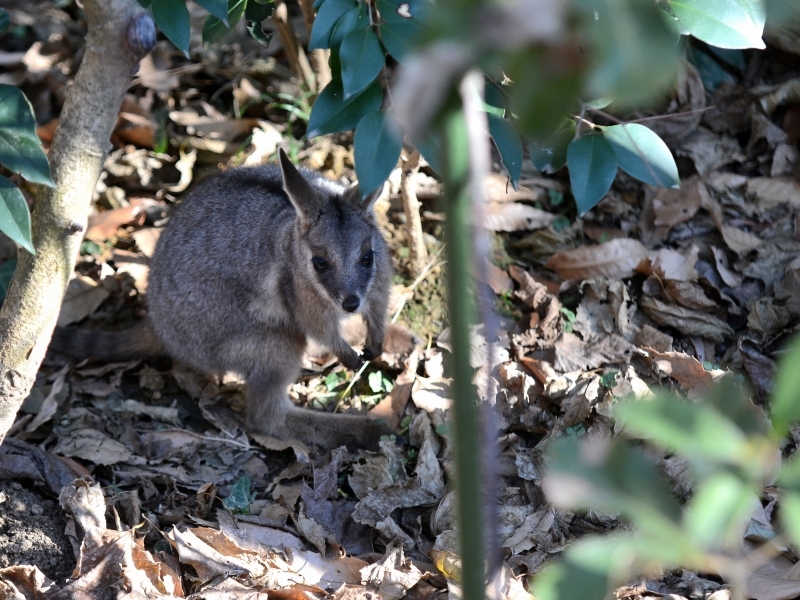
[466, 433]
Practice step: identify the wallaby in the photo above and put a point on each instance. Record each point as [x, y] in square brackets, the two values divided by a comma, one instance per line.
[254, 262]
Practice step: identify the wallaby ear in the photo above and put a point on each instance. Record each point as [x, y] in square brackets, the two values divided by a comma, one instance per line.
[353, 196]
[306, 201]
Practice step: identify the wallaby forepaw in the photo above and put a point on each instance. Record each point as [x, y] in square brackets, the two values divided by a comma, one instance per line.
[372, 350]
[351, 360]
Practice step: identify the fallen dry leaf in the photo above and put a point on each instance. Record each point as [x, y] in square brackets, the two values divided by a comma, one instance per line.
[616, 259]
[512, 216]
[103, 225]
[82, 298]
[683, 368]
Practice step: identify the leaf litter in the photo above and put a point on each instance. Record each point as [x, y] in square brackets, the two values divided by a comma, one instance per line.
[164, 494]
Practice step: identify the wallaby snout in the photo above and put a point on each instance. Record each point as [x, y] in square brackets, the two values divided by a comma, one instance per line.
[351, 303]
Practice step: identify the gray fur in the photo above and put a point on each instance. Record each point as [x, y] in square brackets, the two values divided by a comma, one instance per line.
[232, 288]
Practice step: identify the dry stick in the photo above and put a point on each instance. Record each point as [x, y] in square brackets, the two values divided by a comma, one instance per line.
[319, 56]
[417, 253]
[294, 51]
[653, 118]
[471, 91]
[120, 34]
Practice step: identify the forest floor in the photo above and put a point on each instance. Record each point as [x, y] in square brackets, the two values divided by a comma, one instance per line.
[652, 289]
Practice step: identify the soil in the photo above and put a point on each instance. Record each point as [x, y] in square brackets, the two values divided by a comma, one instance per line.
[32, 532]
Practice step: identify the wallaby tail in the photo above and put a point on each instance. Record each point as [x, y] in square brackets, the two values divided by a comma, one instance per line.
[139, 341]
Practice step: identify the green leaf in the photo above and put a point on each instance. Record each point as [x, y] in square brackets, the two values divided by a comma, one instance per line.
[214, 29]
[332, 113]
[259, 11]
[5, 20]
[599, 103]
[327, 16]
[642, 154]
[240, 498]
[399, 38]
[506, 138]
[592, 166]
[7, 269]
[218, 8]
[375, 380]
[362, 59]
[15, 219]
[257, 32]
[549, 152]
[723, 23]
[377, 146]
[20, 148]
[494, 100]
[351, 20]
[172, 17]
[785, 403]
[431, 149]
[404, 11]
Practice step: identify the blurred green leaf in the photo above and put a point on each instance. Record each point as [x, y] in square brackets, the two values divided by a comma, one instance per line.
[218, 8]
[723, 23]
[20, 148]
[635, 54]
[591, 567]
[592, 166]
[328, 15]
[785, 403]
[506, 138]
[332, 113]
[549, 152]
[15, 219]
[377, 146]
[697, 431]
[362, 59]
[790, 515]
[172, 17]
[214, 29]
[539, 96]
[642, 154]
[611, 475]
[719, 507]
[5, 20]
[710, 71]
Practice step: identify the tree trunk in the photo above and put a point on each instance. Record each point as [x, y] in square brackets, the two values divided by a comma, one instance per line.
[120, 34]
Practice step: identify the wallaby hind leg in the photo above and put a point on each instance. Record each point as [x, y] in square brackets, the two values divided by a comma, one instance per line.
[270, 411]
[333, 430]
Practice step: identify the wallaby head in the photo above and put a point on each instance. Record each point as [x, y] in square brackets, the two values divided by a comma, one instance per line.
[336, 237]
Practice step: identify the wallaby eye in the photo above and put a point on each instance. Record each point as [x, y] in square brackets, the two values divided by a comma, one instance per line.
[320, 264]
[366, 260]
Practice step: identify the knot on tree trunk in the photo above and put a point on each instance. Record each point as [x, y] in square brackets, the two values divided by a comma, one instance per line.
[141, 35]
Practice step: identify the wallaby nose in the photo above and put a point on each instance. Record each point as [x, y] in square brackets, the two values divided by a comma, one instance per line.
[351, 303]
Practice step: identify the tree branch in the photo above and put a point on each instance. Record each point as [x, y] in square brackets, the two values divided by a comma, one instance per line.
[120, 34]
